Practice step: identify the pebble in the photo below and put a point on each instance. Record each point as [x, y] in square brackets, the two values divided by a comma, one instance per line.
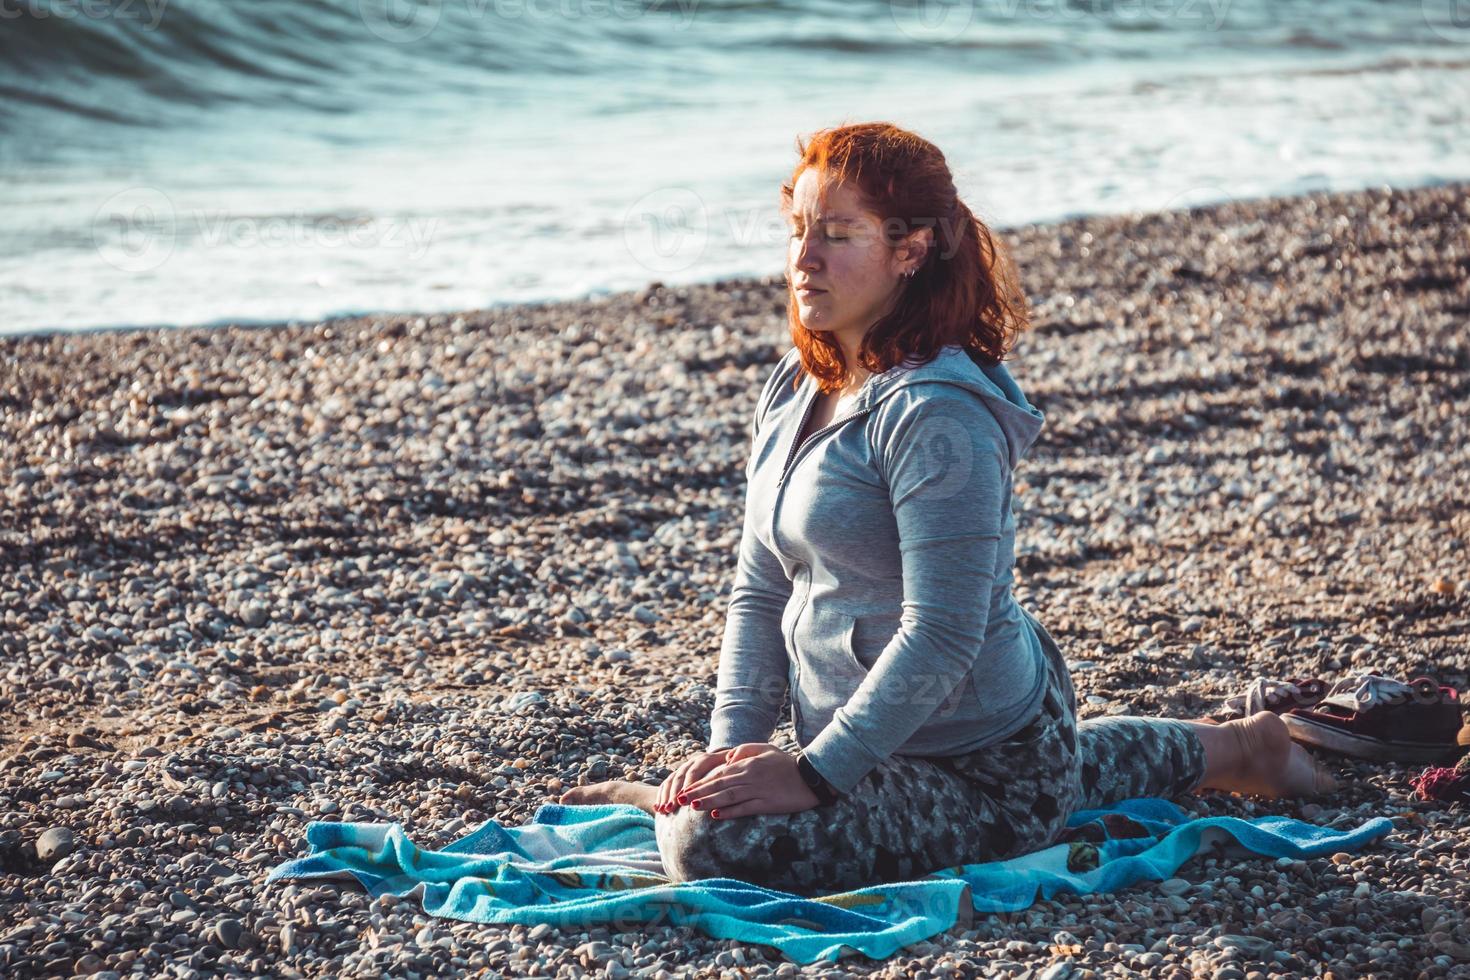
[1250, 945]
[1060, 970]
[522, 699]
[227, 933]
[254, 614]
[55, 844]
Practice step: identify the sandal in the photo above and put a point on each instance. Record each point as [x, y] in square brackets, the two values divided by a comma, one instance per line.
[1375, 717]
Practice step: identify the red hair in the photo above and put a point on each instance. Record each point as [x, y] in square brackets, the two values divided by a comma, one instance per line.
[965, 291]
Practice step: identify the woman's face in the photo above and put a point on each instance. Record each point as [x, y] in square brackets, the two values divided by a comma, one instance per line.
[837, 248]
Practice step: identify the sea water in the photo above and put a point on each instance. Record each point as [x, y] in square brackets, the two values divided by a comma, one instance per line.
[184, 162]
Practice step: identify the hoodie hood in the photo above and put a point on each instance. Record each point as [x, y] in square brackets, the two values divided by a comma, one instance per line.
[1019, 419]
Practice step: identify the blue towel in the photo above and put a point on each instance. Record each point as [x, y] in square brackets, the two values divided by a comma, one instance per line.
[577, 867]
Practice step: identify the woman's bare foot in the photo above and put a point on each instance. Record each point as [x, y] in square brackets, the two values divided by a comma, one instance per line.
[1256, 756]
[641, 795]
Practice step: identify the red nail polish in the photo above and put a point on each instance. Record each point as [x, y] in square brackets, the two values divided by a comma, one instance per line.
[698, 804]
[715, 814]
[682, 799]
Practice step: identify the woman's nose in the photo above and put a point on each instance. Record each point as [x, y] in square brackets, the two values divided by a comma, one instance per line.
[806, 254]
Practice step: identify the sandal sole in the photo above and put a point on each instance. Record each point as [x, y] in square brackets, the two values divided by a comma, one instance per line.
[1310, 732]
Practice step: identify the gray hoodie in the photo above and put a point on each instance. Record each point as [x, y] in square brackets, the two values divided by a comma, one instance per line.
[874, 575]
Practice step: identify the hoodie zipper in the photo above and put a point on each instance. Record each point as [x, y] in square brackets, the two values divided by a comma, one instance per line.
[796, 451]
[797, 445]
[797, 440]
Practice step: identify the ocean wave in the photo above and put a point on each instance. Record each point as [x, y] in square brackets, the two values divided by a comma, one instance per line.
[161, 63]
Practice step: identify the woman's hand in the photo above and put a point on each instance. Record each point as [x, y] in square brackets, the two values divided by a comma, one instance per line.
[671, 793]
[691, 770]
[756, 778]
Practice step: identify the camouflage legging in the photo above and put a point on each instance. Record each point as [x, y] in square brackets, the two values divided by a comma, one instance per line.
[912, 815]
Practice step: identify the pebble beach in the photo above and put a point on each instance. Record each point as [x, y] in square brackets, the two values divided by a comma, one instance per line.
[436, 569]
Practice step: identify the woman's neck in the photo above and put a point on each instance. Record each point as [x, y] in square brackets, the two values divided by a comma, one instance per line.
[855, 382]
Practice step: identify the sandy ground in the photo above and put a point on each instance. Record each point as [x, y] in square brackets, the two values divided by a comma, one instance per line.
[250, 578]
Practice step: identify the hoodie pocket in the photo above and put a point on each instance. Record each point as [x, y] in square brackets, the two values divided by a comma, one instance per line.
[827, 672]
[868, 637]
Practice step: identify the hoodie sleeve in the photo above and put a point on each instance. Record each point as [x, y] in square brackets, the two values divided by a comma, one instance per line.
[752, 677]
[944, 459]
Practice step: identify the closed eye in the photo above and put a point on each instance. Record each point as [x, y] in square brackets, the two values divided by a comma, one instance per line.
[829, 237]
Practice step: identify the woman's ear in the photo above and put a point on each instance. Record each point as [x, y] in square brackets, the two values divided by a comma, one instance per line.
[916, 246]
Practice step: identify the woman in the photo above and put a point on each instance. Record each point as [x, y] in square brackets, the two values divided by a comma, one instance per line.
[935, 717]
